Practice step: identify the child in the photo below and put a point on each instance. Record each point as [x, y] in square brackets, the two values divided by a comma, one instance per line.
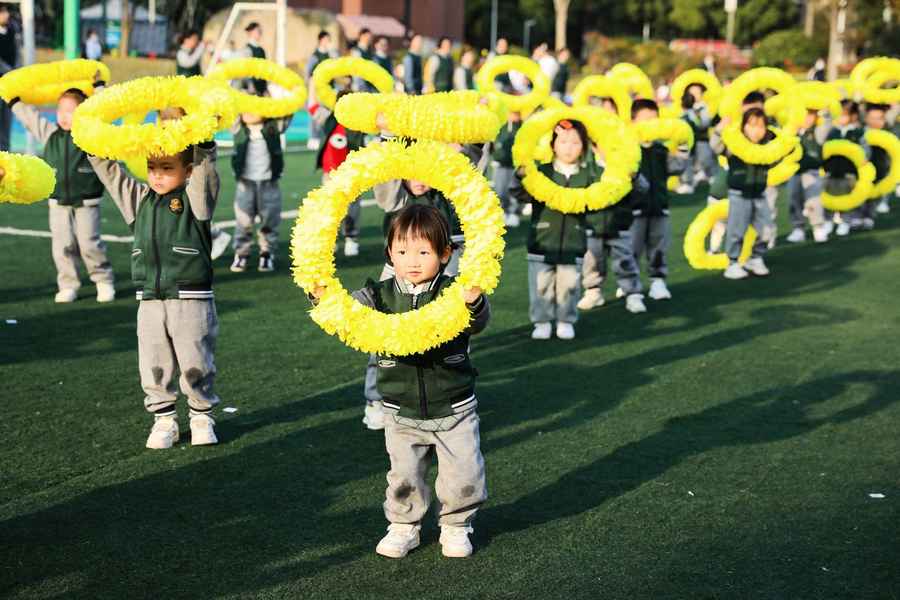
[75, 203]
[557, 241]
[805, 187]
[840, 174]
[258, 163]
[875, 118]
[650, 231]
[503, 166]
[747, 204]
[429, 398]
[703, 165]
[177, 324]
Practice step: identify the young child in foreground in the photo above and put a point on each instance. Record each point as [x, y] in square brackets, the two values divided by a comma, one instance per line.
[171, 266]
[429, 399]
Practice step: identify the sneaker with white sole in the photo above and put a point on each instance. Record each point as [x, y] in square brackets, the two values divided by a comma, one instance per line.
[542, 331]
[868, 224]
[106, 292]
[820, 233]
[373, 416]
[239, 264]
[164, 433]
[620, 293]
[455, 541]
[266, 262]
[65, 296]
[592, 298]
[203, 432]
[220, 242]
[400, 539]
[658, 289]
[828, 228]
[684, 189]
[565, 331]
[796, 236]
[526, 210]
[736, 271]
[842, 230]
[756, 266]
[512, 220]
[351, 247]
[883, 207]
[634, 303]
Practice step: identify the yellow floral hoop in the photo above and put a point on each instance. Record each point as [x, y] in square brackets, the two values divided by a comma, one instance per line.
[843, 87]
[713, 94]
[600, 86]
[209, 108]
[323, 209]
[618, 140]
[453, 117]
[331, 68]
[695, 239]
[886, 140]
[753, 80]
[540, 83]
[260, 68]
[44, 83]
[865, 176]
[785, 169]
[26, 179]
[759, 154]
[813, 95]
[674, 132]
[633, 78]
[873, 90]
[867, 67]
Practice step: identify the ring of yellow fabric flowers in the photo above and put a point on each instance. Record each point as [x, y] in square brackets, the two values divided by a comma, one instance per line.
[331, 68]
[873, 90]
[865, 176]
[453, 117]
[760, 78]
[695, 239]
[208, 105]
[674, 132]
[323, 210]
[499, 65]
[758, 154]
[713, 94]
[260, 68]
[44, 83]
[812, 95]
[633, 78]
[886, 140]
[600, 86]
[621, 149]
[867, 67]
[785, 169]
[26, 179]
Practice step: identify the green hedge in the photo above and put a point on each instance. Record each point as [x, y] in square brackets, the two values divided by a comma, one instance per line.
[788, 48]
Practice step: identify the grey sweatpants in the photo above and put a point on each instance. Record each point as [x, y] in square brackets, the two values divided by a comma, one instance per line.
[805, 192]
[75, 235]
[350, 224]
[553, 292]
[742, 213]
[460, 484]
[650, 236]
[177, 335]
[501, 181]
[252, 199]
[621, 250]
[702, 159]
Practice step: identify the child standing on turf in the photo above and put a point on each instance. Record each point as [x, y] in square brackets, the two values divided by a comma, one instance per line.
[502, 165]
[75, 203]
[805, 187]
[429, 398]
[703, 165]
[840, 174]
[863, 217]
[177, 325]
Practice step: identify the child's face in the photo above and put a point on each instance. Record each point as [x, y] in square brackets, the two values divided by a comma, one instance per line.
[416, 187]
[165, 173]
[416, 260]
[514, 117]
[696, 91]
[875, 119]
[609, 106]
[190, 42]
[645, 114]
[844, 119]
[810, 120]
[755, 129]
[64, 109]
[568, 147]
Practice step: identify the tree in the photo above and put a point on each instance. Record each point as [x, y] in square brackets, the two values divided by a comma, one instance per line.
[126, 28]
[562, 15]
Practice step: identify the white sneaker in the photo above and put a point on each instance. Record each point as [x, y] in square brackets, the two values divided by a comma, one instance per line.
[351, 247]
[455, 541]
[593, 298]
[400, 539]
[736, 271]
[620, 293]
[512, 220]
[163, 434]
[239, 264]
[266, 262]
[221, 241]
[658, 289]
[868, 224]
[541, 331]
[757, 267]
[797, 236]
[634, 303]
[883, 207]
[820, 233]
[526, 210]
[65, 296]
[373, 416]
[203, 431]
[843, 229]
[828, 227]
[565, 331]
[106, 292]
[313, 143]
[685, 189]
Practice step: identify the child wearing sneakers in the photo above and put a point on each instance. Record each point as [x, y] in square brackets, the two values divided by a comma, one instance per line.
[75, 202]
[429, 398]
[702, 165]
[502, 165]
[805, 187]
[258, 162]
[840, 174]
[177, 325]
[863, 217]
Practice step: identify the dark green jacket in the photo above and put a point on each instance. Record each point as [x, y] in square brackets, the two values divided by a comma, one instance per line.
[560, 80]
[656, 166]
[839, 166]
[75, 178]
[504, 143]
[611, 221]
[812, 151]
[750, 180]
[271, 132]
[433, 198]
[880, 160]
[439, 382]
[260, 85]
[553, 237]
[443, 75]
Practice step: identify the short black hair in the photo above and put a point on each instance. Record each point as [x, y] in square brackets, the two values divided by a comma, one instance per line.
[442, 39]
[252, 26]
[75, 94]
[876, 106]
[850, 106]
[610, 100]
[753, 98]
[323, 34]
[753, 113]
[644, 104]
[363, 32]
[421, 221]
[577, 126]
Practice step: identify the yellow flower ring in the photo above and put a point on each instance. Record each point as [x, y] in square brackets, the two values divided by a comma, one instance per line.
[44, 83]
[260, 68]
[331, 68]
[618, 140]
[844, 87]
[209, 108]
[695, 239]
[633, 78]
[675, 132]
[812, 95]
[600, 86]
[889, 142]
[759, 154]
[761, 78]
[873, 90]
[711, 96]
[453, 117]
[787, 168]
[867, 67]
[323, 209]
[26, 179]
[540, 83]
[865, 176]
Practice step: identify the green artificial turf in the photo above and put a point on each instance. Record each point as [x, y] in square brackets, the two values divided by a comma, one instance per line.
[723, 445]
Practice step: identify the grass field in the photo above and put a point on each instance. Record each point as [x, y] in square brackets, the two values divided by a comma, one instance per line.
[724, 445]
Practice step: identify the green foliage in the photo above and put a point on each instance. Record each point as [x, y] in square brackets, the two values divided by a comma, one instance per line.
[788, 48]
[654, 57]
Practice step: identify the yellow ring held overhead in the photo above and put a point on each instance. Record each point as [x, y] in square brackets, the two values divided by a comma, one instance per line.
[674, 132]
[540, 83]
[753, 80]
[346, 66]
[812, 95]
[786, 169]
[865, 176]
[633, 78]
[759, 154]
[695, 239]
[600, 86]
[43, 83]
[618, 141]
[886, 140]
[453, 117]
[867, 67]
[713, 94]
[260, 68]
[26, 179]
[319, 219]
[873, 90]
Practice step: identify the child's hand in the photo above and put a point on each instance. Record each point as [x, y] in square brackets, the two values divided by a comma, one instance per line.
[472, 294]
[2, 173]
[381, 121]
[725, 122]
[319, 292]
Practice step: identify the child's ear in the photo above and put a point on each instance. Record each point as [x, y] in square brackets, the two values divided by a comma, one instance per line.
[445, 255]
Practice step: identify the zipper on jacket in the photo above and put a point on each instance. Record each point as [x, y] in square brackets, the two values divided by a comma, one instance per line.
[423, 401]
[156, 248]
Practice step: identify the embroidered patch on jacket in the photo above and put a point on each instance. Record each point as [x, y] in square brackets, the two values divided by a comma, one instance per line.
[455, 359]
[176, 206]
[387, 363]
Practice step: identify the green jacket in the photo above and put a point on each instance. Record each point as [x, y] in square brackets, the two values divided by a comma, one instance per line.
[554, 237]
[750, 180]
[503, 144]
[656, 166]
[812, 151]
[443, 75]
[433, 198]
[611, 221]
[271, 131]
[439, 382]
[839, 166]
